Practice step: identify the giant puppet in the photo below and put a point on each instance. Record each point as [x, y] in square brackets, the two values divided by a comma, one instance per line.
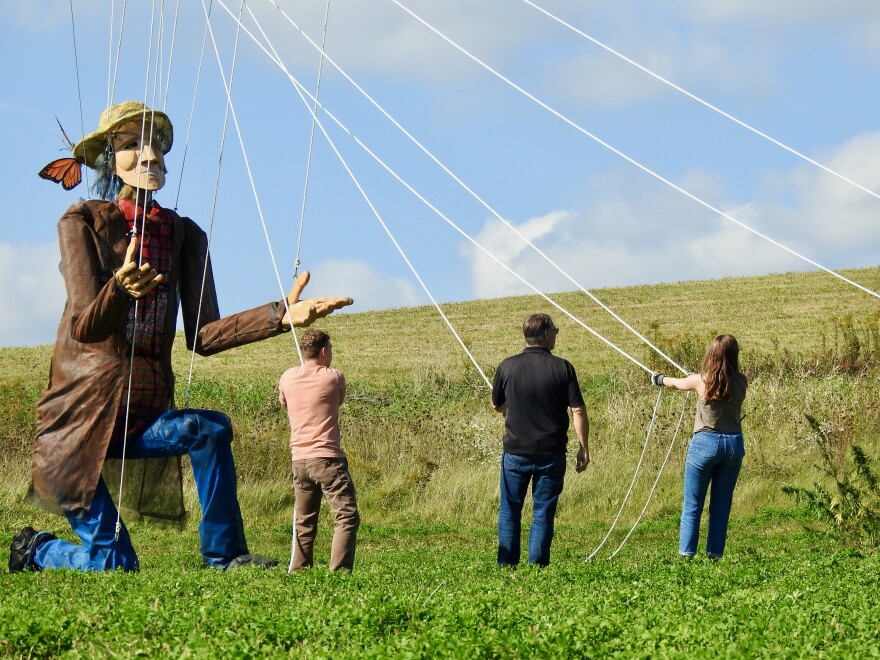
[128, 264]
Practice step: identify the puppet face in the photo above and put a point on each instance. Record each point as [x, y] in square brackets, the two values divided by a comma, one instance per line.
[140, 165]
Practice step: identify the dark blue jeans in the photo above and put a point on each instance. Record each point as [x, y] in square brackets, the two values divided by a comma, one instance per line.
[206, 435]
[546, 472]
[716, 459]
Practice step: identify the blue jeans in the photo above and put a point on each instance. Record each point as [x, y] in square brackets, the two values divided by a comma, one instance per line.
[206, 435]
[546, 472]
[714, 458]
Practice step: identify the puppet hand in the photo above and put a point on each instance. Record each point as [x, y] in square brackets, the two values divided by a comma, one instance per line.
[137, 281]
[302, 313]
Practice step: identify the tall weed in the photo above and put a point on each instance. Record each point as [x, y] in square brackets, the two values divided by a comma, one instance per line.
[850, 498]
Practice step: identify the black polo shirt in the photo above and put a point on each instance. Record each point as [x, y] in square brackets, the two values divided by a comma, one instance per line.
[538, 388]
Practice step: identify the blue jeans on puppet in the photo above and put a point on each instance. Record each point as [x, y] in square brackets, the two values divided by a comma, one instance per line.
[206, 435]
[714, 458]
[546, 473]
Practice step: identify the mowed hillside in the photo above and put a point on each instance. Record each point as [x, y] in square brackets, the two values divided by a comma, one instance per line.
[424, 442]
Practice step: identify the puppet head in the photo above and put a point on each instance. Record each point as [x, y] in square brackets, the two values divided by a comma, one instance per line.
[115, 153]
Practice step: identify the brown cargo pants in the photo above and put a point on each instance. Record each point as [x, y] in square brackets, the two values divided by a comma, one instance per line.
[311, 478]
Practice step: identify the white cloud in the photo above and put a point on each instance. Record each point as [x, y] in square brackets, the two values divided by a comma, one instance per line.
[48, 16]
[593, 260]
[369, 288]
[634, 234]
[780, 13]
[833, 221]
[490, 279]
[381, 38]
[32, 296]
[595, 76]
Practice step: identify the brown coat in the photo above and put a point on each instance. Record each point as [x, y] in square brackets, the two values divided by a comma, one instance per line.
[87, 381]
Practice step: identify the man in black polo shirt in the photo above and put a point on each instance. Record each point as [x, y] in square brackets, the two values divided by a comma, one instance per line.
[534, 390]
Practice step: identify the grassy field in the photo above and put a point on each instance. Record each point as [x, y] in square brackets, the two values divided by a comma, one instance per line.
[783, 590]
[424, 447]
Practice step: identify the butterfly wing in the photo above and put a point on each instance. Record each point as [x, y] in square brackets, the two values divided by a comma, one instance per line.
[66, 171]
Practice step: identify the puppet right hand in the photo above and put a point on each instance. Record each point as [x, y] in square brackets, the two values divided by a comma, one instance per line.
[302, 313]
[136, 281]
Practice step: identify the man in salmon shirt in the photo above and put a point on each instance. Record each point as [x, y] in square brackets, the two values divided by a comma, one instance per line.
[312, 393]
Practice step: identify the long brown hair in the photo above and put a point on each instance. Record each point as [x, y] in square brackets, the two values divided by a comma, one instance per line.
[720, 365]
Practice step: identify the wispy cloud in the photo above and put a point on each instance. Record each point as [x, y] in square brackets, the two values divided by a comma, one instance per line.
[370, 288]
[638, 235]
[32, 296]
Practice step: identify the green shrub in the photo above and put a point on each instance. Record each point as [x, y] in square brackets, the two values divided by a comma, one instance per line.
[852, 502]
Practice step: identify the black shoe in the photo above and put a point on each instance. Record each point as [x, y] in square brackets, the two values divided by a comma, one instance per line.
[21, 550]
[252, 560]
[24, 544]
[18, 550]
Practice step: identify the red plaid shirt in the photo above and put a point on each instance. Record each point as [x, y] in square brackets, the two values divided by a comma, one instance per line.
[150, 390]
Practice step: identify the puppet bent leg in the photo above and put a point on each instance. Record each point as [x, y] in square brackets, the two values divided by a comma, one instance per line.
[206, 435]
[99, 551]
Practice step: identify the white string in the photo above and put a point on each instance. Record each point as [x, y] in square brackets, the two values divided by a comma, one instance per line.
[118, 526]
[171, 54]
[701, 101]
[302, 215]
[245, 158]
[657, 480]
[474, 195]
[366, 198]
[192, 110]
[299, 241]
[302, 90]
[157, 69]
[195, 339]
[635, 474]
[631, 160]
[109, 53]
[157, 83]
[82, 126]
[118, 50]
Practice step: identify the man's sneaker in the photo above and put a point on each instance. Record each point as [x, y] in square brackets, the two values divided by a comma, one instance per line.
[252, 560]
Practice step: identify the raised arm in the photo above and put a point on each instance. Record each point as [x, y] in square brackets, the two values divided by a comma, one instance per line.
[690, 383]
[96, 302]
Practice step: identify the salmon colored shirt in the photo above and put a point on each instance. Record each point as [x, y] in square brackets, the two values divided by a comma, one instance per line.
[312, 395]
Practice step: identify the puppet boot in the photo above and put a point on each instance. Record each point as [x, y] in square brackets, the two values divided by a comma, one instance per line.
[24, 544]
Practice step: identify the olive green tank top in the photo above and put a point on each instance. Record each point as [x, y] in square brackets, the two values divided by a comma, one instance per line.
[723, 416]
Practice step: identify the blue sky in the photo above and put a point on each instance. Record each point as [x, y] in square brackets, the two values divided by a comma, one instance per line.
[803, 73]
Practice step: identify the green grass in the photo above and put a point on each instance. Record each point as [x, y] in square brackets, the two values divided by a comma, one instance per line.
[784, 590]
[424, 445]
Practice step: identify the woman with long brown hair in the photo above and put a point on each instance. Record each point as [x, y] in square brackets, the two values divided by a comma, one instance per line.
[716, 450]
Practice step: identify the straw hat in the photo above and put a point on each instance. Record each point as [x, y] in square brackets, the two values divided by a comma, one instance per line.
[91, 146]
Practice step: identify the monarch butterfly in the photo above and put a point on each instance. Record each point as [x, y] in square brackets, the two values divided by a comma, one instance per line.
[66, 171]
